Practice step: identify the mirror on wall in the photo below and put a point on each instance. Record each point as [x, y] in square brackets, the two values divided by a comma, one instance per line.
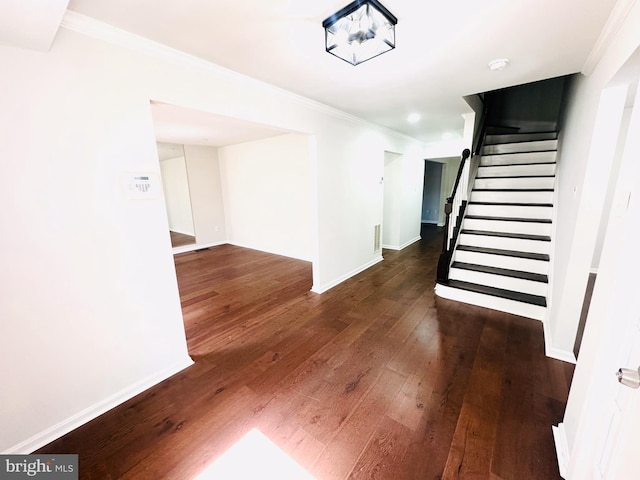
[175, 183]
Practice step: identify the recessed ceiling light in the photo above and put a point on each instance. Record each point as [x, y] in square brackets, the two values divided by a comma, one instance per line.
[413, 117]
[498, 64]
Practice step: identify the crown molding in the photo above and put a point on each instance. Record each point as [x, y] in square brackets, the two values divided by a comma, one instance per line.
[613, 24]
[90, 27]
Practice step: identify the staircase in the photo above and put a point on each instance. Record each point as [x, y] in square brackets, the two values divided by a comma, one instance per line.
[501, 260]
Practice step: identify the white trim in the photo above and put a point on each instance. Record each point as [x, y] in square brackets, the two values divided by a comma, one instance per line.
[56, 431]
[553, 352]
[195, 246]
[404, 245]
[347, 276]
[562, 448]
[90, 27]
[612, 26]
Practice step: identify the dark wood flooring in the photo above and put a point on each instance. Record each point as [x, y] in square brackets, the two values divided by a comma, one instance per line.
[181, 239]
[376, 378]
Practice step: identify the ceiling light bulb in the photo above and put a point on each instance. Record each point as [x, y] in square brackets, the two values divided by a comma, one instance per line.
[413, 117]
[498, 64]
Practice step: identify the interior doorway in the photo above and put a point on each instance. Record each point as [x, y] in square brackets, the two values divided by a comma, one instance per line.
[431, 192]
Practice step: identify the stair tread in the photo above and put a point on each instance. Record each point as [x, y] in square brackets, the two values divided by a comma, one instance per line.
[507, 253]
[523, 140]
[514, 153]
[512, 190]
[499, 292]
[517, 164]
[522, 236]
[515, 176]
[534, 277]
[509, 219]
[513, 204]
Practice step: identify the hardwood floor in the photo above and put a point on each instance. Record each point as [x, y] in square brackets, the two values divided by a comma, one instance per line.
[181, 239]
[376, 378]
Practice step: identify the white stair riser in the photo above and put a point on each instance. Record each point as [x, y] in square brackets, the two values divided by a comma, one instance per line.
[532, 228]
[517, 170]
[510, 211]
[502, 261]
[523, 182]
[512, 197]
[535, 146]
[515, 158]
[503, 243]
[499, 281]
[495, 303]
[519, 137]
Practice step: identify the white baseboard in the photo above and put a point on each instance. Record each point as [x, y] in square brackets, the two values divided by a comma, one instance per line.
[330, 285]
[404, 245]
[195, 246]
[562, 448]
[554, 352]
[58, 430]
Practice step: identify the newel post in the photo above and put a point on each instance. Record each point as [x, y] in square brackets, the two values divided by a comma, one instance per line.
[445, 257]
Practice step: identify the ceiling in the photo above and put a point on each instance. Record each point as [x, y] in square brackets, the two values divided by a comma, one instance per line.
[173, 124]
[31, 24]
[442, 52]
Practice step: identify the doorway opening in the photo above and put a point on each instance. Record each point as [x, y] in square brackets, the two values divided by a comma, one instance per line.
[432, 192]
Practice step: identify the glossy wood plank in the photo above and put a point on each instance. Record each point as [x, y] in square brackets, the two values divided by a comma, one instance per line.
[376, 378]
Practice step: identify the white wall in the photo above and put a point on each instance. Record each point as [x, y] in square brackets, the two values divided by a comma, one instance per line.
[402, 200]
[598, 408]
[206, 195]
[391, 208]
[585, 158]
[587, 150]
[175, 185]
[411, 200]
[613, 177]
[88, 298]
[267, 197]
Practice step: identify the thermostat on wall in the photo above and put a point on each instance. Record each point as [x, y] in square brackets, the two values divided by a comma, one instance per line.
[141, 186]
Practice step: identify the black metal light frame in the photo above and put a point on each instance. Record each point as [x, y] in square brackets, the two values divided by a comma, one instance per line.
[348, 10]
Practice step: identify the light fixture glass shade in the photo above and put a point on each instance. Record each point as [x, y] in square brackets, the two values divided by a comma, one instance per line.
[360, 31]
